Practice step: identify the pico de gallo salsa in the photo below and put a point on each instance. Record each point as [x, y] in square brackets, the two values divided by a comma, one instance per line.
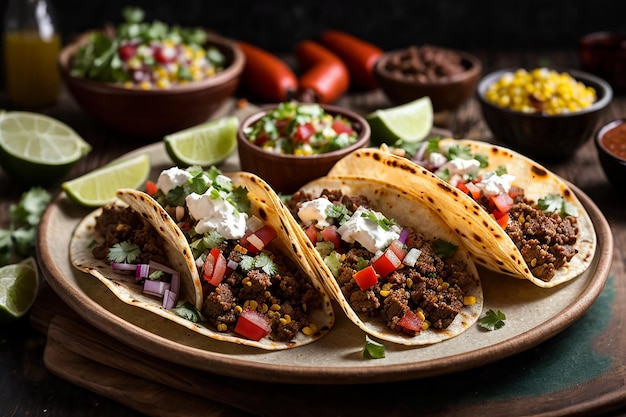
[147, 55]
[302, 130]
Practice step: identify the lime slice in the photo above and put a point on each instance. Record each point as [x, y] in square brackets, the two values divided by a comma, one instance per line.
[409, 122]
[19, 284]
[36, 149]
[98, 187]
[206, 144]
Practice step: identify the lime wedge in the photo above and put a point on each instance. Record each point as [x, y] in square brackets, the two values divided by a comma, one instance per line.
[36, 149]
[19, 284]
[98, 187]
[207, 144]
[409, 122]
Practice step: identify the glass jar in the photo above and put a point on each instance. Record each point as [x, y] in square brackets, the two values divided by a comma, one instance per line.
[31, 48]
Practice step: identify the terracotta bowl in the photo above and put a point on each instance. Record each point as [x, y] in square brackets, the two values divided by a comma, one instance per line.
[549, 138]
[446, 93]
[614, 165]
[604, 54]
[154, 113]
[287, 173]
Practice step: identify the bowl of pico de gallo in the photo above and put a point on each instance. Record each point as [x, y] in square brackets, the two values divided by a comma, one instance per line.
[291, 143]
[149, 79]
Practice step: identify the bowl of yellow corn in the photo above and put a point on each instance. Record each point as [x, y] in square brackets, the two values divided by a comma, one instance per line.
[544, 113]
[149, 103]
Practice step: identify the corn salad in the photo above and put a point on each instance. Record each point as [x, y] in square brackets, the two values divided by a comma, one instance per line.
[540, 90]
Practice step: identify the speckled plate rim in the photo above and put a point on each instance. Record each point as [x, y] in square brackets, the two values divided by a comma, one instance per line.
[533, 316]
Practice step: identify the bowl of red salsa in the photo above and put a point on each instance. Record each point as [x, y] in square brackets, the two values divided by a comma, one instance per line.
[291, 143]
[610, 142]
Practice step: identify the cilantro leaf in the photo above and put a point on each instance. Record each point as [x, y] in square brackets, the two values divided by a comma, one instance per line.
[556, 203]
[261, 261]
[444, 249]
[338, 212]
[459, 151]
[492, 320]
[123, 252]
[188, 312]
[373, 349]
[378, 218]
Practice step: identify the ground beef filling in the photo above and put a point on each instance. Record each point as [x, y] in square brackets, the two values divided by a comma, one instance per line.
[434, 287]
[546, 241]
[118, 224]
[284, 298]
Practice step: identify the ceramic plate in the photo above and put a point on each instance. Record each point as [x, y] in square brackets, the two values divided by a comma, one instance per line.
[533, 315]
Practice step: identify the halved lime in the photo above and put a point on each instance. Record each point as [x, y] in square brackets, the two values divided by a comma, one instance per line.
[19, 284]
[36, 149]
[98, 187]
[409, 122]
[207, 144]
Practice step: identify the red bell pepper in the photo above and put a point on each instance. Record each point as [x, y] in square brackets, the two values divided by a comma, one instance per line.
[253, 325]
[366, 277]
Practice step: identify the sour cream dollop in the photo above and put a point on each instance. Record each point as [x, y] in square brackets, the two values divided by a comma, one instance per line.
[213, 212]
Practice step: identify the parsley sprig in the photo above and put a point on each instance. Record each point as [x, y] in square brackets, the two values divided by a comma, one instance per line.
[261, 261]
[556, 203]
[123, 252]
[492, 320]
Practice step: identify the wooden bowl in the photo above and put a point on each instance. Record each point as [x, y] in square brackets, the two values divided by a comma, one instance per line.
[445, 92]
[154, 113]
[287, 173]
[614, 165]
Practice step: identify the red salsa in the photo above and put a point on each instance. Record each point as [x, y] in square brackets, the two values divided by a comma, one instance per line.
[614, 140]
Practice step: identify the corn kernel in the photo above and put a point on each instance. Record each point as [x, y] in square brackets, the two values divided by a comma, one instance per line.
[384, 293]
[469, 300]
[238, 309]
[221, 327]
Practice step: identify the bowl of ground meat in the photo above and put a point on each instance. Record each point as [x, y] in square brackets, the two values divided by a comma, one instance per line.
[449, 77]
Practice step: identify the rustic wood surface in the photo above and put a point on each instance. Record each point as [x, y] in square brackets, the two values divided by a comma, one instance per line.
[37, 365]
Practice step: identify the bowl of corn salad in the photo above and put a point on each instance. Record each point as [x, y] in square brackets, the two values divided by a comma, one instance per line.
[547, 114]
[147, 80]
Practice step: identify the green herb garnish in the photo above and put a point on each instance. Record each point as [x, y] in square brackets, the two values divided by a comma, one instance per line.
[261, 261]
[556, 203]
[339, 212]
[383, 222]
[188, 312]
[492, 320]
[444, 249]
[373, 349]
[123, 252]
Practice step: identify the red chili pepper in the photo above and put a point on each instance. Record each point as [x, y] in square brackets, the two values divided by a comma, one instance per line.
[358, 55]
[325, 76]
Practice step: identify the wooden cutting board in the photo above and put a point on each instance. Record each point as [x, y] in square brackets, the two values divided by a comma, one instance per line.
[525, 384]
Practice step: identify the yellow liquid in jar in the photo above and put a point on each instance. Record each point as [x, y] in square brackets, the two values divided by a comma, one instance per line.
[32, 76]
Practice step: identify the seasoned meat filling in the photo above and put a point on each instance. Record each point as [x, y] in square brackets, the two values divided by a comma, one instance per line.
[434, 287]
[546, 241]
[118, 224]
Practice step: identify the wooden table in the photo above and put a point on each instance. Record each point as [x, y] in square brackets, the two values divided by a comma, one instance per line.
[27, 387]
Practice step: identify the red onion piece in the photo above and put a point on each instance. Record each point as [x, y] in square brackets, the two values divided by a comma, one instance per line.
[156, 288]
[404, 234]
[169, 299]
[123, 266]
[142, 271]
[232, 264]
[175, 283]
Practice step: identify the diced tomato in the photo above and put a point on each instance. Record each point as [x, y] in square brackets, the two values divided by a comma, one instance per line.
[502, 202]
[410, 322]
[311, 233]
[165, 54]
[398, 249]
[253, 325]
[462, 187]
[501, 218]
[127, 51]
[366, 277]
[256, 241]
[214, 267]
[151, 187]
[330, 234]
[341, 127]
[515, 192]
[388, 262]
[473, 190]
[261, 139]
[304, 132]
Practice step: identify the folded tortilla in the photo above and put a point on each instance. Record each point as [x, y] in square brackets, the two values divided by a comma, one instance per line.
[264, 204]
[408, 212]
[489, 244]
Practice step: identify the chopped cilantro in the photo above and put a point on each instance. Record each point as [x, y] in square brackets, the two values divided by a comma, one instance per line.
[123, 252]
[484, 161]
[324, 248]
[501, 170]
[333, 262]
[339, 212]
[239, 197]
[188, 312]
[18, 240]
[556, 203]
[432, 145]
[373, 349]
[261, 261]
[459, 151]
[361, 263]
[378, 218]
[492, 320]
[444, 249]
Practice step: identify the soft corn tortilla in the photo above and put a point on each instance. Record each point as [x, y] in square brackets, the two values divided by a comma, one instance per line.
[490, 245]
[406, 211]
[263, 205]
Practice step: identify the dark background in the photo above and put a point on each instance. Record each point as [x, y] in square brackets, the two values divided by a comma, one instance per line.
[278, 24]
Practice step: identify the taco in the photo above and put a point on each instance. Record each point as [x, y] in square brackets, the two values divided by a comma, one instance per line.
[396, 269]
[243, 276]
[514, 215]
